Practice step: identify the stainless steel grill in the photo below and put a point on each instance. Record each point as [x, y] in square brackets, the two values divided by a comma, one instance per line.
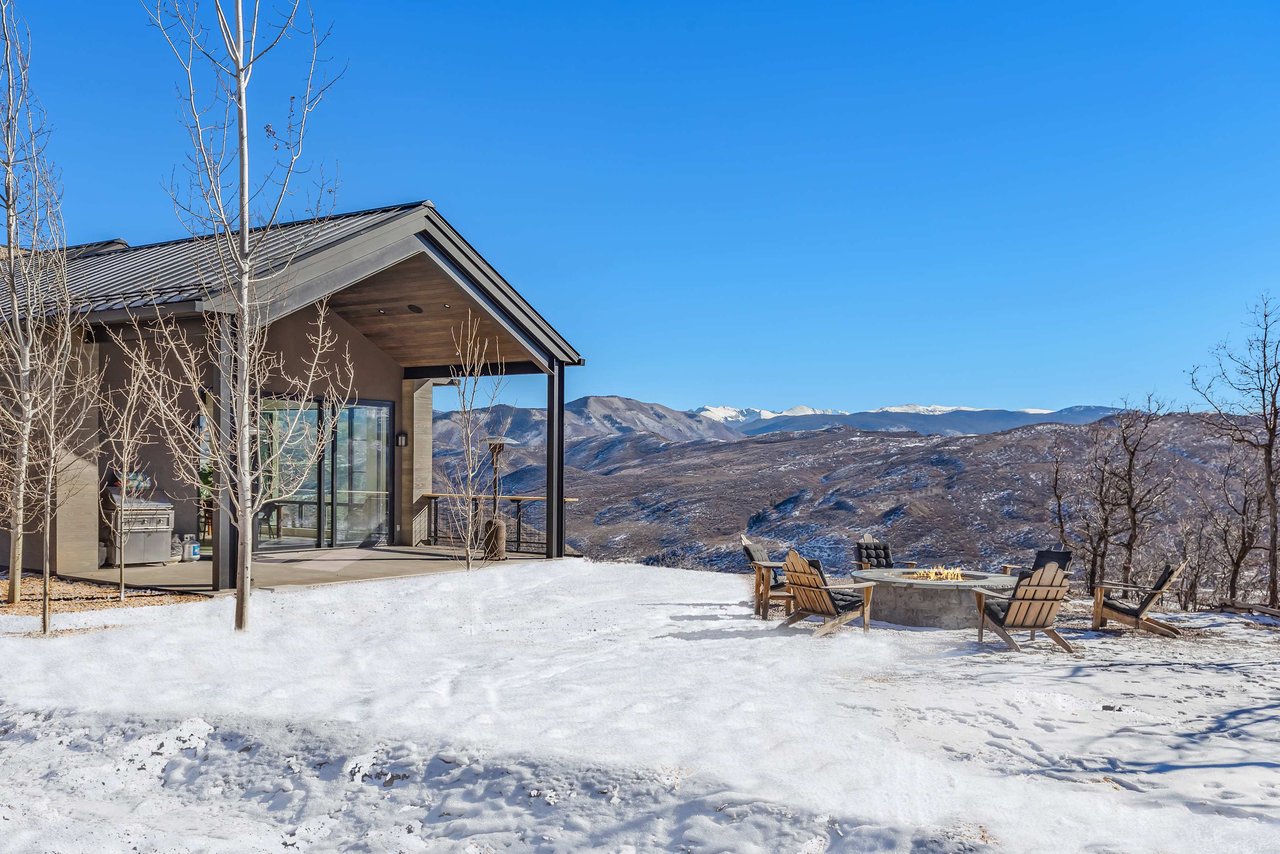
[145, 525]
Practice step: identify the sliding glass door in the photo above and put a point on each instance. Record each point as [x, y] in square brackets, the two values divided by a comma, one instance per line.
[344, 498]
[287, 436]
[361, 468]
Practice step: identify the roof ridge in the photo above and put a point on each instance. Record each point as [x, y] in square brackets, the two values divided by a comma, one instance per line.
[403, 206]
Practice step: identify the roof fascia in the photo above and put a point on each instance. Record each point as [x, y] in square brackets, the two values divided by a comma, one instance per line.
[450, 241]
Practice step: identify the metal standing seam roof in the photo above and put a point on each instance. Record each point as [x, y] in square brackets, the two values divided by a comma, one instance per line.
[110, 275]
[118, 277]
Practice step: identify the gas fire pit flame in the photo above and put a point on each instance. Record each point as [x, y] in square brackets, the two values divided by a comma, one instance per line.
[937, 573]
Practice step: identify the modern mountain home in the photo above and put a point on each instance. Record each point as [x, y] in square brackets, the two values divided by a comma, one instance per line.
[398, 281]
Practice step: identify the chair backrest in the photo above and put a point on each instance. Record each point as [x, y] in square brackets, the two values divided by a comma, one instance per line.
[875, 554]
[1036, 599]
[1058, 557]
[756, 554]
[807, 583]
[1162, 585]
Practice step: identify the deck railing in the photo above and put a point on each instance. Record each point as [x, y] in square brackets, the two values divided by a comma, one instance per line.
[435, 525]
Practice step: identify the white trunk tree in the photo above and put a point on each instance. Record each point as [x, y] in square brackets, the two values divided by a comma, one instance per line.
[220, 47]
[479, 381]
[130, 419]
[34, 304]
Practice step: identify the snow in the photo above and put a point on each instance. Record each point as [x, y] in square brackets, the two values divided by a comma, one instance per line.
[918, 409]
[734, 415]
[571, 705]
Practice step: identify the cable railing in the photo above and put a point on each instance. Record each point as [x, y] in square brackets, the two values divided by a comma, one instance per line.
[436, 523]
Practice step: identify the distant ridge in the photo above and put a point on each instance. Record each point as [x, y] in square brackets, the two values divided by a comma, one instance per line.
[933, 420]
[610, 415]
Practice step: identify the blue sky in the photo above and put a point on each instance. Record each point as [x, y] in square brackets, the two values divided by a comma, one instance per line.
[844, 205]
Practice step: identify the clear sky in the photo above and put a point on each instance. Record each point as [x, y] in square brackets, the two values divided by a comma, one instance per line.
[761, 204]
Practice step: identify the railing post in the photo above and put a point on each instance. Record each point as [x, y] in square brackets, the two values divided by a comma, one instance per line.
[519, 523]
[555, 460]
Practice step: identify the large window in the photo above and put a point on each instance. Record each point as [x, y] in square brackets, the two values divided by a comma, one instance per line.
[345, 498]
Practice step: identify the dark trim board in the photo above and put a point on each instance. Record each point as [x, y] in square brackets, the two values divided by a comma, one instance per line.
[446, 372]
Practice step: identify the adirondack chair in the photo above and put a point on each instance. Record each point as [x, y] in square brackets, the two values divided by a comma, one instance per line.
[770, 583]
[835, 604]
[872, 554]
[1059, 555]
[1032, 605]
[1135, 614]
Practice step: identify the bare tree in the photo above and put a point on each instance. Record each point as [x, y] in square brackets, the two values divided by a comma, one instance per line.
[1242, 390]
[131, 417]
[67, 379]
[34, 314]
[1142, 486]
[1235, 519]
[1060, 480]
[479, 380]
[1195, 550]
[240, 211]
[1098, 501]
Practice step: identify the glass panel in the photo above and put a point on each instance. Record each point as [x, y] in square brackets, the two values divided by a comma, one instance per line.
[286, 444]
[361, 472]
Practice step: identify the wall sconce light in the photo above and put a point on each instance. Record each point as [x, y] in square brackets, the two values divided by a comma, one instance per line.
[402, 440]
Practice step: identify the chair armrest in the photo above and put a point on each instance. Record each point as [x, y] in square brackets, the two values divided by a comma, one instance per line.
[768, 564]
[1008, 568]
[860, 585]
[910, 564]
[1116, 585]
[985, 592]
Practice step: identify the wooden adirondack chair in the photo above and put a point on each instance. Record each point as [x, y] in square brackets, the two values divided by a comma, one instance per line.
[770, 583]
[1059, 555]
[1135, 614]
[869, 553]
[1032, 605]
[836, 604]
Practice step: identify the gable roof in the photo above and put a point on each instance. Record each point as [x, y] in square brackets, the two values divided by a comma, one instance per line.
[323, 256]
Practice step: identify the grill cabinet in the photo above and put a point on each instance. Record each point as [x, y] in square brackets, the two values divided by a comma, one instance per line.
[146, 525]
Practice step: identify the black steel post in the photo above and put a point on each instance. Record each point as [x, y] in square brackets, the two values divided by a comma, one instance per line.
[519, 524]
[225, 536]
[555, 460]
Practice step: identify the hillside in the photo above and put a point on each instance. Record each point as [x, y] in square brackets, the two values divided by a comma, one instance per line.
[978, 499]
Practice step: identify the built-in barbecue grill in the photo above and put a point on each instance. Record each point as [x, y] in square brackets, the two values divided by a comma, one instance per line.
[144, 523]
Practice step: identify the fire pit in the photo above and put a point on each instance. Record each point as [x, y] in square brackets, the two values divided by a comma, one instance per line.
[938, 597]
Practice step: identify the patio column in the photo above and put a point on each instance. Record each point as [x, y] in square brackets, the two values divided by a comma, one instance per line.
[555, 460]
[225, 539]
[416, 399]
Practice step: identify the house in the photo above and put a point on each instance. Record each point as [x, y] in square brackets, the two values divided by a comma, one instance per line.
[398, 281]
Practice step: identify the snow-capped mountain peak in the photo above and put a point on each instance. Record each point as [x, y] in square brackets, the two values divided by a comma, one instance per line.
[749, 415]
[918, 409]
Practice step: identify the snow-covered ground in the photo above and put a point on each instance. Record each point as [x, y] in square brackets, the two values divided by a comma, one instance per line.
[573, 706]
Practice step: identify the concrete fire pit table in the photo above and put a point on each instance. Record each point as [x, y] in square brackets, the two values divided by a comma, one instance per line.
[906, 601]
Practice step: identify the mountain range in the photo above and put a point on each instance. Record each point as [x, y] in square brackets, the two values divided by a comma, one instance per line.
[662, 486]
[609, 415]
[926, 420]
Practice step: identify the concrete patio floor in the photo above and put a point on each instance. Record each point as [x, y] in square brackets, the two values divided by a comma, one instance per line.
[298, 568]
